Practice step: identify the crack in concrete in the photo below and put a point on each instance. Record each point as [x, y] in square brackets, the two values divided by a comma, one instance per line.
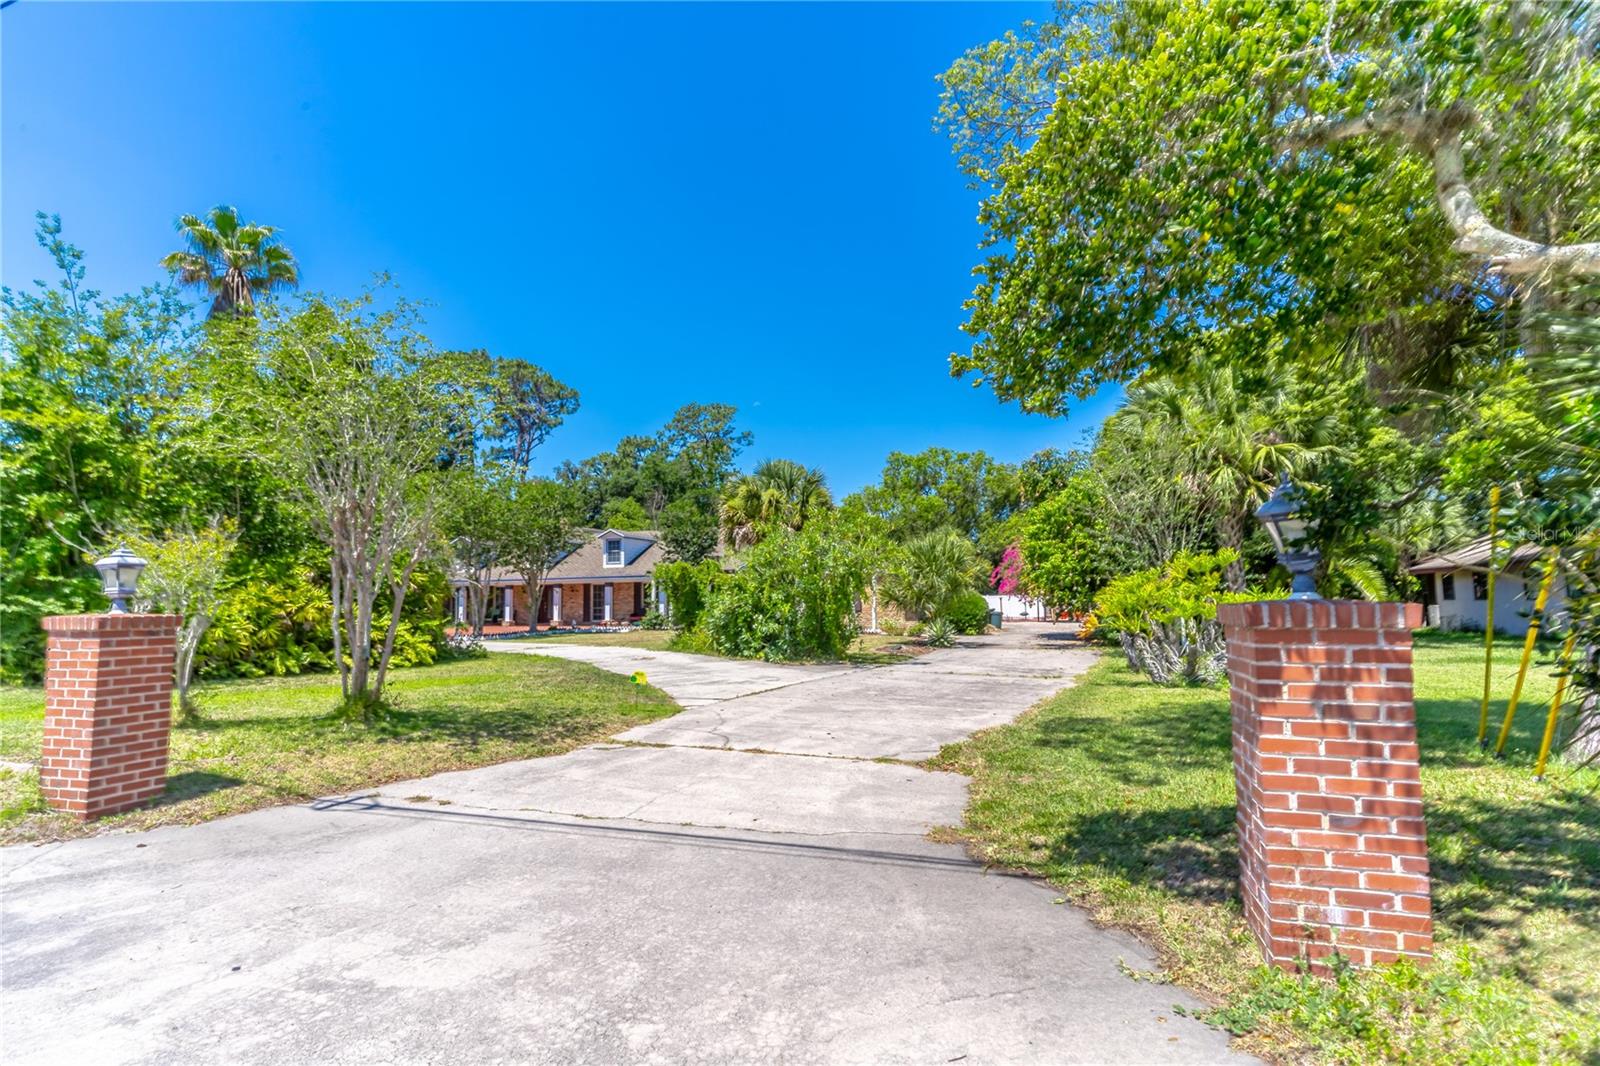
[655, 821]
[661, 744]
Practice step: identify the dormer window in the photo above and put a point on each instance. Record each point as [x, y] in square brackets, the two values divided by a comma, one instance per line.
[614, 551]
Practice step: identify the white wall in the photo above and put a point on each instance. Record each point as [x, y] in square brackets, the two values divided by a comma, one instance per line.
[1017, 608]
[1513, 604]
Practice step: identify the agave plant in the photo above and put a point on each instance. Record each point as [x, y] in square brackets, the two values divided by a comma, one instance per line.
[939, 633]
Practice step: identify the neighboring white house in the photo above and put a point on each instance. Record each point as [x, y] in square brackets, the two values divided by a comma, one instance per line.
[1456, 590]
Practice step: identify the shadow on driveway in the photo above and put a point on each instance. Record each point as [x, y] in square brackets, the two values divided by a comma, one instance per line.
[368, 805]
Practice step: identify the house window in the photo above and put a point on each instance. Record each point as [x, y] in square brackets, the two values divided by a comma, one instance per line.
[613, 552]
[1447, 587]
[1480, 586]
[599, 603]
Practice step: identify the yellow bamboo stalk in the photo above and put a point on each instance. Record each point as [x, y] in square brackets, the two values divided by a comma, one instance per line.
[1563, 665]
[1527, 651]
[1488, 623]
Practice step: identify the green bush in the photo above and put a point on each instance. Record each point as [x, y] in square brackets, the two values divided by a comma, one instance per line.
[1166, 617]
[24, 600]
[793, 599]
[653, 619]
[968, 613]
[272, 621]
[1459, 1010]
[275, 621]
[688, 589]
[694, 641]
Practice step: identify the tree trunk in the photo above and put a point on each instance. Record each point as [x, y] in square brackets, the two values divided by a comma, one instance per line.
[478, 603]
[188, 644]
[337, 620]
[397, 602]
[1230, 531]
[361, 644]
[1582, 745]
[533, 587]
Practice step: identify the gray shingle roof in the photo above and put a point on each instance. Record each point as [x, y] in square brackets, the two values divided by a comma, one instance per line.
[1475, 556]
[586, 562]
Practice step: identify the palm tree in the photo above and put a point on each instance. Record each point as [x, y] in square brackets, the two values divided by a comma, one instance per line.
[780, 491]
[1237, 438]
[931, 570]
[233, 260]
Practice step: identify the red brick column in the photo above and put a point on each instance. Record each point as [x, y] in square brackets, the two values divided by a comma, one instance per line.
[1333, 853]
[108, 710]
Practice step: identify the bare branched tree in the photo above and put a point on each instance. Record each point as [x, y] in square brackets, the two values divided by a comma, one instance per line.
[353, 410]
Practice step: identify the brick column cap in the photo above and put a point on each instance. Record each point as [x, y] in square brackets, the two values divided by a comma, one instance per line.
[1320, 614]
[88, 624]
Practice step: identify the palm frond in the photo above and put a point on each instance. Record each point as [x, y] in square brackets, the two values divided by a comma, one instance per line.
[231, 259]
[1360, 574]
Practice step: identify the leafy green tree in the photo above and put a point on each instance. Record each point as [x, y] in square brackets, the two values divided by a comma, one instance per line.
[1047, 472]
[473, 516]
[351, 408]
[701, 438]
[780, 492]
[691, 456]
[1064, 544]
[688, 530]
[626, 513]
[526, 406]
[931, 570]
[967, 491]
[636, 469]
[233, 261]
[794, 598]
[1339, 192]
[184, 576]
[542, 523]
[94, 441]
[1241, 433]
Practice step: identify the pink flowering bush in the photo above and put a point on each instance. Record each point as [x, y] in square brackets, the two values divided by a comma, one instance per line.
[1006, 578]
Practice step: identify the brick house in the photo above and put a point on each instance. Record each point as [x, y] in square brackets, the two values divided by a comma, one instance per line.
[605, 580]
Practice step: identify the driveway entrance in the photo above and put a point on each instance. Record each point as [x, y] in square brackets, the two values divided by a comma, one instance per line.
[745, 882]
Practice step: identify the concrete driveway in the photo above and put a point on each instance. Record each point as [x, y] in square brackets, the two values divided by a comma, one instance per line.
[742, 883]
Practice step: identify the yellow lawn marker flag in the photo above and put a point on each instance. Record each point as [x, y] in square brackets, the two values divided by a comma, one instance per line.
[1527, 651]
[1563, 664]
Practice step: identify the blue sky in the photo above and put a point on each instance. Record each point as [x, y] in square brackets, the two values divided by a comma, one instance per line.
[659, 204]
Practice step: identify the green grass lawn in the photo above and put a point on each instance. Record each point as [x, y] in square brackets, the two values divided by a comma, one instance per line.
[274, 741]
[1121, 793]
[656, 639]
[869, 649]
